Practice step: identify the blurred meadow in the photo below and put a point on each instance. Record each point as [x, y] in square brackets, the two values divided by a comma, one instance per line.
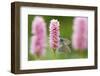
[66, 30]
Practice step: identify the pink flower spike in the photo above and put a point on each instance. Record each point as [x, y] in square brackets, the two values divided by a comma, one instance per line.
[54, 34]
[39, 36]
[80, 33]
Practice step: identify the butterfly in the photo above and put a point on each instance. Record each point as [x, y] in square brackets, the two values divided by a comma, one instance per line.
[64, 45]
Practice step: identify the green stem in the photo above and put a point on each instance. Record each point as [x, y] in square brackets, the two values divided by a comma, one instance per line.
[38, 57]
[54, 52]
[81, 53]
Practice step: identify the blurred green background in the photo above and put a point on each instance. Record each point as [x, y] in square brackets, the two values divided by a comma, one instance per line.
[66, 23]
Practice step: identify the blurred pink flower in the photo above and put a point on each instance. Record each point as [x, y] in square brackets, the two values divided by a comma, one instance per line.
[37, 24]
[39, 36]
[54, 34]
[80, 33]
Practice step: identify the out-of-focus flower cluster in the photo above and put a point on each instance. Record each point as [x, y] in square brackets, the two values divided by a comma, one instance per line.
[39, 36]
[80, 33]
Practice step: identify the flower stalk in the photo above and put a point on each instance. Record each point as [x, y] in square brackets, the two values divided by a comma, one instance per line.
[80, 33]
[39, 36]
[54, 34]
